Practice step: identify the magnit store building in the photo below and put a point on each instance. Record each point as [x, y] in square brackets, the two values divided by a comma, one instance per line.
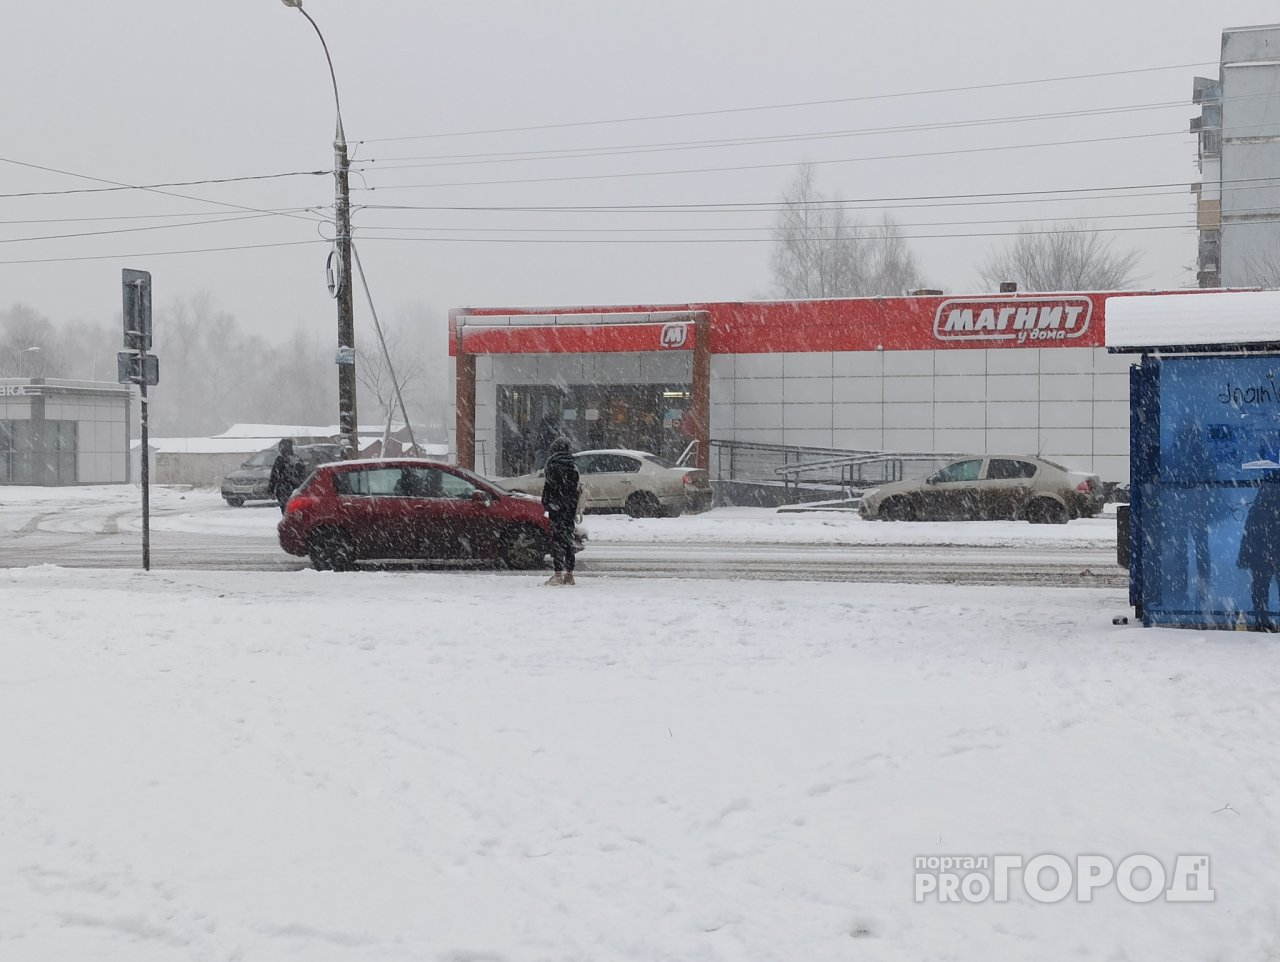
[56, 432]
[1011, 374]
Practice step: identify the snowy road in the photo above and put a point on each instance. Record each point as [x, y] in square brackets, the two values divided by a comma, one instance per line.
[100, 528]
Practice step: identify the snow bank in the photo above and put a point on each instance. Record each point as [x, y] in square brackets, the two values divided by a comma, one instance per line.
[465, 766]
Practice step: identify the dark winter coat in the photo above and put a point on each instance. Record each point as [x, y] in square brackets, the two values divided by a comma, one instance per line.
[560, 488]
[287, 472]
[1260, 542]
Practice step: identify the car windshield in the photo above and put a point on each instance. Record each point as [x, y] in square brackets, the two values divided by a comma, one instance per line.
[262, 459]
[482, 483]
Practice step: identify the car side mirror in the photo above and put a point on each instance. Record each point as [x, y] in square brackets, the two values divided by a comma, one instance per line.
[931, 480]
[481, 497]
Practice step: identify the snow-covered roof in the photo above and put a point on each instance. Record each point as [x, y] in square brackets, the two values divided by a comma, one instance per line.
[274, 432]
[1204, 321]
[205, 445]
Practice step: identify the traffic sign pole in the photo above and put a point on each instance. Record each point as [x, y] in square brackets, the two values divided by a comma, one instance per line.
[146, 469]
[137, 370]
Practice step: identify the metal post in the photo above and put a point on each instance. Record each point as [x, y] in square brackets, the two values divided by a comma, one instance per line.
[146, 464]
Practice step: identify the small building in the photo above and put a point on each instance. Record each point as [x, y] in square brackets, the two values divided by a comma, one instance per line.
[63, 432]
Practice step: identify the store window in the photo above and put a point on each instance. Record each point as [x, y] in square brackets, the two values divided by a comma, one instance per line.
[38, 452]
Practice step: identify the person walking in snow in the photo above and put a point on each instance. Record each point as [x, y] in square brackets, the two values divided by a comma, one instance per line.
[1260, 547]
[560, 497]
[287, 472]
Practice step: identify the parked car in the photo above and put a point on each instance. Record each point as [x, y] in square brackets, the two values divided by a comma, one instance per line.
[249, 481]
[641, 484]
[409, 509]
[988, 488]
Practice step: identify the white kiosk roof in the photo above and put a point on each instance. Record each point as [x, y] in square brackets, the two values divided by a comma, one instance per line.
[1221, 320]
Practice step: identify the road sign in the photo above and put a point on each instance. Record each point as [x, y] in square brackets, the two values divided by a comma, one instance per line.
[134, 368]
[137, 309]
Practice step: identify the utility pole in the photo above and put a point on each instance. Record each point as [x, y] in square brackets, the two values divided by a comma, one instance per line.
[340, 278]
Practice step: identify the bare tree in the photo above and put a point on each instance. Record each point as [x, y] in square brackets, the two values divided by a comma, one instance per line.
[1262, 268]
[820, 251]
[30, 345]
[374, 373]
[1075, 257]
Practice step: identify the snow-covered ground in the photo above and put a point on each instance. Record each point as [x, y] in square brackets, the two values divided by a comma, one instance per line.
[466, 766]
[85, 511]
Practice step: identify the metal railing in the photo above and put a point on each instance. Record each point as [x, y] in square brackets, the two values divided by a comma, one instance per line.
[796, 466]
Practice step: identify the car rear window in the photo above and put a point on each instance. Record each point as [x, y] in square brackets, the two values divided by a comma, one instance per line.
[369, 482]
[1007, 469]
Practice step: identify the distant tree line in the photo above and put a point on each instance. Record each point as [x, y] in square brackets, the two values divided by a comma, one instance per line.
[214, 373]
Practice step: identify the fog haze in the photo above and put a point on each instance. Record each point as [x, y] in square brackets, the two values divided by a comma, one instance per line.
[150, 92]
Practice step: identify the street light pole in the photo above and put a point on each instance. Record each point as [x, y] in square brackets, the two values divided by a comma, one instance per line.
[341, 284]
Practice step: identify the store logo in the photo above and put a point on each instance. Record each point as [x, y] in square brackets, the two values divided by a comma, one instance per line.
[1024, 319]
[674, 335]
[16, 390]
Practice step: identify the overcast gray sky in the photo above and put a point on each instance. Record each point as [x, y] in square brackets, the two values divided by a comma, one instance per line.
[144, 92]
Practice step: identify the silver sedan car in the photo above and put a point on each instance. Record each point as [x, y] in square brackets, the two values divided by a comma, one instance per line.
[641, 484]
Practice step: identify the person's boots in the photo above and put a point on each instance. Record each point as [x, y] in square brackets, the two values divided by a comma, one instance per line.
[555, 579]
[568, 579]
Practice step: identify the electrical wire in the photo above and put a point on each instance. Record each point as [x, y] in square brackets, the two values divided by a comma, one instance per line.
[789, 106]
[202, 250]
[773, 166]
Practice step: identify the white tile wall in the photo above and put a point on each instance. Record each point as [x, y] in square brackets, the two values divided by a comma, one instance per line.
[1111, 441]
[908, 440]
[1111, 414]
[1111, 387]
[960, 440]
[1066, 441]
[956, 388]
[1012, 441]
[807, 390]
[857, 363]
[857, 416]
[960, 414]
[905, 415]
[758, 390]
[1012, 361]
[568, 368]
[807, 365]
[807, 416]
[960, 361]
[859, 389]
[1013, 387]
[908, 362]
[1107, 363]
[1066, 387]
[722, 365]
[813, 439]
[908, 388]
[1012, 414]
[758, 365]
[756, 416]
[857, 440]
[1111, 467]
[722, 420]
[1067, 360]
[1066, 414]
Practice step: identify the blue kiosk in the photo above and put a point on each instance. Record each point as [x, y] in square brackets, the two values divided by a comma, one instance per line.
[1204, 516]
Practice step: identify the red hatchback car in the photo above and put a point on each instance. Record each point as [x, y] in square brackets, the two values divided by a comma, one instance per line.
[407, 509]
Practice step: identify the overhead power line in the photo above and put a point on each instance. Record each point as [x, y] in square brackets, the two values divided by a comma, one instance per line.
[772, 166]
[136, 256]
[790, 106]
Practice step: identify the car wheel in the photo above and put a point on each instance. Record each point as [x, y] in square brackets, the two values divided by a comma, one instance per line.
[523, 548]
[1046, 511]
[642, 504]
[236, 502]
[897, 509]
[331, 550]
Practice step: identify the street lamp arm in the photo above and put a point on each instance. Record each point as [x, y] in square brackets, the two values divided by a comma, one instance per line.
[339, 136]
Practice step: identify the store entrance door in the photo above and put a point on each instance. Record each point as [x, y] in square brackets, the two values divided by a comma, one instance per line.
[529, 419]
